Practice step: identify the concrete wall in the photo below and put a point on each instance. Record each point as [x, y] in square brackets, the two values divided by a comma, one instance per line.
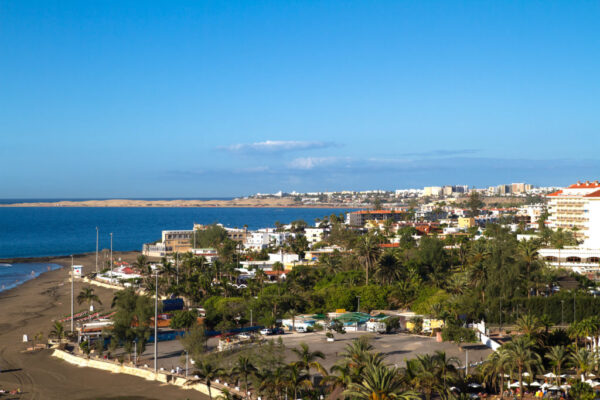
[135, 371]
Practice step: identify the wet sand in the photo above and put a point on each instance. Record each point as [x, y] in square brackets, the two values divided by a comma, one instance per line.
[31, 308]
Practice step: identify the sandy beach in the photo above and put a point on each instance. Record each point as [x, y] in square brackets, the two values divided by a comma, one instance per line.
[31, 308]
[241, 203]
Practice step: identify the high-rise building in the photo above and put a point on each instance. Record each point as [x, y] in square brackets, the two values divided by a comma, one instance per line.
[577, 208]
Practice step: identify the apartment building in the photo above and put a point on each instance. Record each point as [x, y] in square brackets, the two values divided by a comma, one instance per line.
[359, 218]
[577, 208]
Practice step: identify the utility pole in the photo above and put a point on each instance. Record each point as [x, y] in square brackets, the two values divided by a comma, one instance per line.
[251, 324]
[72, 291]
[96, 249]
[155, 321]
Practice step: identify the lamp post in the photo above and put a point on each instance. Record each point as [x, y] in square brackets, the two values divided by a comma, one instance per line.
[251, 324]
[111, 258]
[72, 291]
[155, 321]
[97, 249]
[187, 357]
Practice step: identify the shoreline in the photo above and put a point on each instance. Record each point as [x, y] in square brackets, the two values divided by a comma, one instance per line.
[31, 308]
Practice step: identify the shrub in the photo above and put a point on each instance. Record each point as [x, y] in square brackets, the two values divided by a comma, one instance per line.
[458, 334]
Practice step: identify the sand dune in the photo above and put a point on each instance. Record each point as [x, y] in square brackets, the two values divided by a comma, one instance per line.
[270, 202]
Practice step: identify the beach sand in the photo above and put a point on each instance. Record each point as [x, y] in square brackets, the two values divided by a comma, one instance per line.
[31, 308]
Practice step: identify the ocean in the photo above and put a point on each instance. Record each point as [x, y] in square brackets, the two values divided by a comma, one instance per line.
[12, 275]
[55, 231]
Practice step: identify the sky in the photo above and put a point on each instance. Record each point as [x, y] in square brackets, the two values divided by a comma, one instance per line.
[226, 98]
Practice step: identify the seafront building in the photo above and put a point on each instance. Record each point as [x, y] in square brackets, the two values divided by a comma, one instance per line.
[576, 208]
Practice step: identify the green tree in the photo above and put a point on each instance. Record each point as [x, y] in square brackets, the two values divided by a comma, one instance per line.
[245, 369]
[184, 319]
[367, 248]
[557, 356]
[307, 359]
[379, 382]
[522, 356]
[207, 371]
[87, 295]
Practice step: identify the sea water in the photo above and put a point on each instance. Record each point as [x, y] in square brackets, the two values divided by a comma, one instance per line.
[13, 275]
[53, 231]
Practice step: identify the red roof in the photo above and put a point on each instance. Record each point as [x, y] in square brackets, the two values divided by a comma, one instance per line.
[389, 245]
[556, 193]
[593, 194]
[585, 185]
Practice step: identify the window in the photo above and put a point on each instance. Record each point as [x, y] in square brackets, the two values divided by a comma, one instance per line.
[573, 259]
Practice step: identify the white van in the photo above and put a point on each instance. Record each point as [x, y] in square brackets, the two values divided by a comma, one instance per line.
[301, 329]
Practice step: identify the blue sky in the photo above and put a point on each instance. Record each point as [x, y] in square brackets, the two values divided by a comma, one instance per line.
[225, 98]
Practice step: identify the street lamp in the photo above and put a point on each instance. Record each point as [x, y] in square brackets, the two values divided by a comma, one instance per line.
[72, 291]
[251, 324]
[155, 320]
[111, 258]
[97, 249]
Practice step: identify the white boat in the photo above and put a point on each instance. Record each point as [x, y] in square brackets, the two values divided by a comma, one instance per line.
[5, 265]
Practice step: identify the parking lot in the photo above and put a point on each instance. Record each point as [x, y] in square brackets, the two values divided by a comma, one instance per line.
[397, 347]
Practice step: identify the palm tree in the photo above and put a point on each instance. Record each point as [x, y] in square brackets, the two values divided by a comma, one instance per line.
[583, 361]
[227, 395]
[308, 359]
[141, 263]
[341, 376]
[380, 383]
[87, 295]
[529, 324]
[387, 268]
[207, 371]
[528, 250]
[447, 367]
[367, 248]
[245, 368]
[495, 367]
[521, 355]
[557, 355]
[296, 378]
[421, 374]
[58, 330]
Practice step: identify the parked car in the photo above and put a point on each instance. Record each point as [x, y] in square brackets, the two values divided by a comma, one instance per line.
[300, 329]
[266, 331]
[244, 336]
[278, 331]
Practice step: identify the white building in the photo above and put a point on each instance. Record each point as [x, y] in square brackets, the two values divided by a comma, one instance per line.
[314, 235]
[576, 208]
[264, 238]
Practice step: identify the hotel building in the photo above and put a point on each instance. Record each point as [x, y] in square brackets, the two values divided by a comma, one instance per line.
[576, 208]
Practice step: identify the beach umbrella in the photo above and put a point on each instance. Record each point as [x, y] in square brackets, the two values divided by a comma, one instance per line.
[535, 384]
[514, 385]
[565, 386]
[563, 375]
[545, 385]
[525, 373]
[474, 385]
[594, 383]
[554, 388]
[550, 375]
[506, 375]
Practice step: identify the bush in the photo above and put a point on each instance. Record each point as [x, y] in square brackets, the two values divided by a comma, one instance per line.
[329, 335]
[582, 391]
[458, 334]
[392, 324]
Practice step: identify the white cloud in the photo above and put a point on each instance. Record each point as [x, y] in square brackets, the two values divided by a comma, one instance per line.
[307, 163]
[270, 146]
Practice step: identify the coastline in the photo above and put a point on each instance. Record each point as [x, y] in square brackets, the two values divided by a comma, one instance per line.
[285, 202]
[30, 308]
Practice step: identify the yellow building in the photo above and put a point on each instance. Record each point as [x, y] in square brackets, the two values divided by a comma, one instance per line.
[466, 222]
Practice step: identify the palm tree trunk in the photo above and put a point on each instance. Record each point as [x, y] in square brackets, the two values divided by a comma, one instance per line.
[209, 391]
[520, 381]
